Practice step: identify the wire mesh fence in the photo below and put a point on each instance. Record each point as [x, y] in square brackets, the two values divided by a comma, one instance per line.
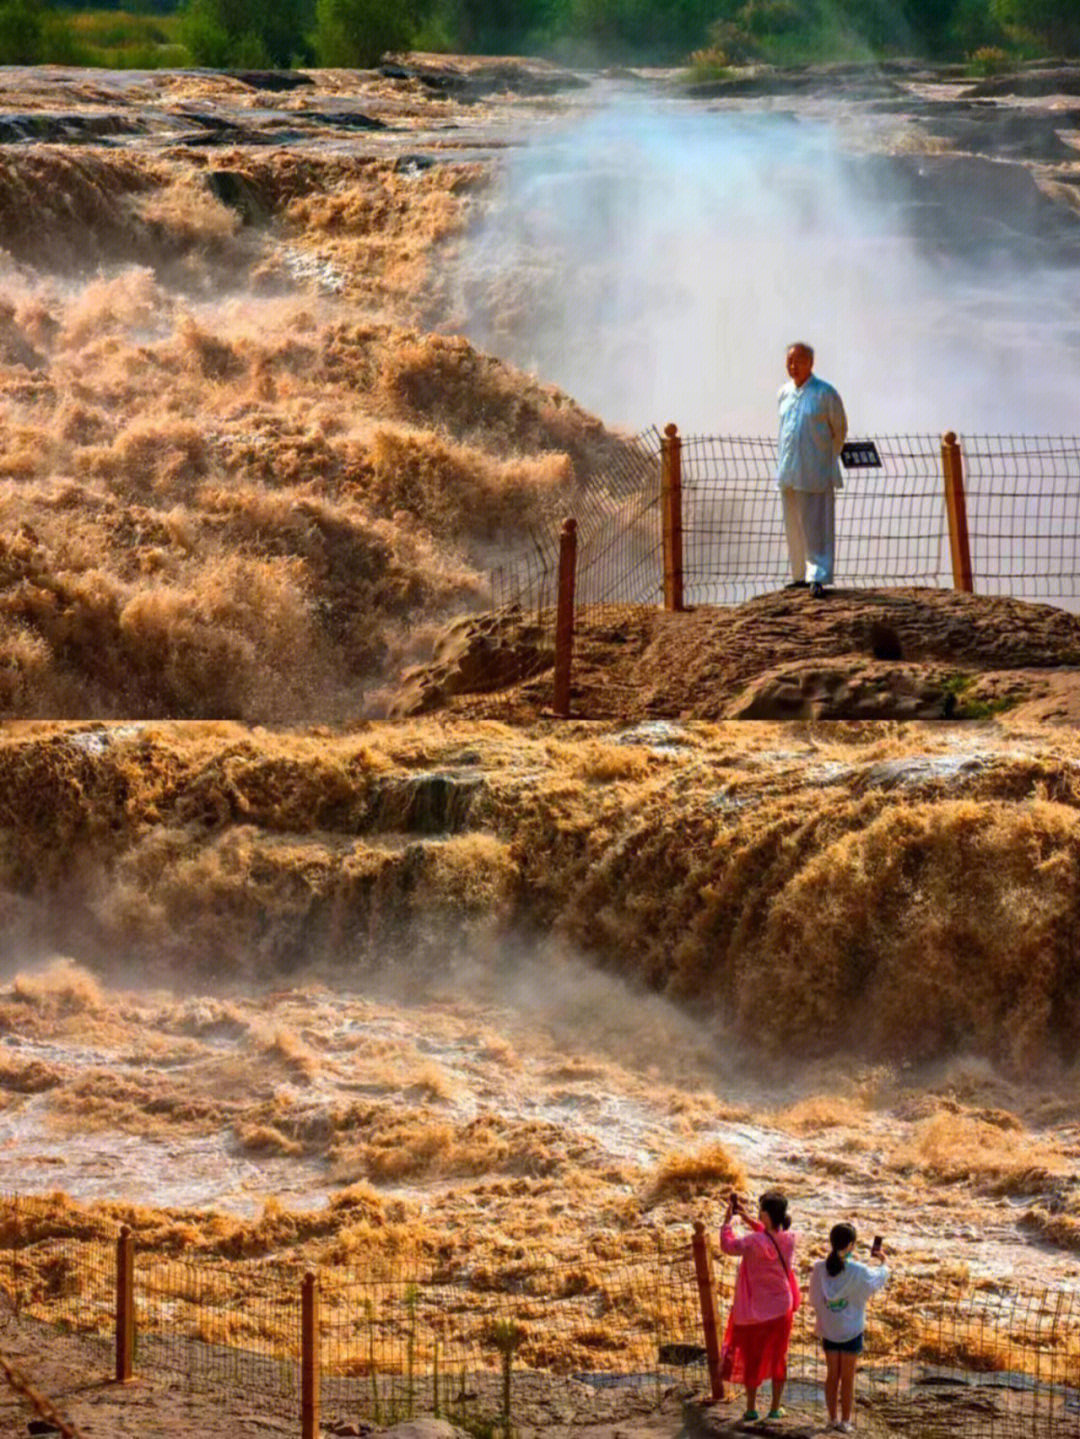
[1023, 511]
[233, 1325]
[536, 1340]
[891, 527]
[477, 1345]
[1024, 514]
[52, 1275]
[986, 1357]
[619, 552]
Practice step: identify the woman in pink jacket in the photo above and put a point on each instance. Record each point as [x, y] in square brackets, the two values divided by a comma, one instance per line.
[766, 1297]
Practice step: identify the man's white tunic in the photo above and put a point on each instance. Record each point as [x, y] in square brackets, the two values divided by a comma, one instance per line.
[813, 428]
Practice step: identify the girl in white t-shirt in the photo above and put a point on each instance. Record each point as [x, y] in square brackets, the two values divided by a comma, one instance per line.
[839, 1290]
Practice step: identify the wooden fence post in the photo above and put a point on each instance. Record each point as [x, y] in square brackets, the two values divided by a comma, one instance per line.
[709, 1324]
[564, 620]
[952, 467]
[125, 1306]
[309, 1358]
[671, 516]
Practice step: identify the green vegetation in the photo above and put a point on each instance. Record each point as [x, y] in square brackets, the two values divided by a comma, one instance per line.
[968, 708]
[990, 35]
[985, 709]
[709, 64]
[247, 32]
[956, 684]
[989, 60]
[358, 33]
[32, 33]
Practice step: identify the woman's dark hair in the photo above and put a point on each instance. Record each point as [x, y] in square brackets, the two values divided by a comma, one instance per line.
[775, 1206]
[840, 1236]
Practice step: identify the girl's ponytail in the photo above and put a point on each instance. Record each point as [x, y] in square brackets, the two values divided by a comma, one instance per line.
[841, 1236]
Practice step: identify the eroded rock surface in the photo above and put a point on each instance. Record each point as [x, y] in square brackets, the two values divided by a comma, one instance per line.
[474, 655]
[861, 654]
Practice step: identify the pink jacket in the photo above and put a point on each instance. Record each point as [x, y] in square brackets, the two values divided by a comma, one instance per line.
[762, 1288]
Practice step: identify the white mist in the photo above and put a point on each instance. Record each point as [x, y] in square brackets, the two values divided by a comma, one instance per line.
[655, 260]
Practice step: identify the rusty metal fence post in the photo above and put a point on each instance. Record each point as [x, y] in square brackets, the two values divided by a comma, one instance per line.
[125, 1306]
[709, 1323]
[564, 619]
[16, 1237]
[952, 467]
[671, 516]
[309, 1358]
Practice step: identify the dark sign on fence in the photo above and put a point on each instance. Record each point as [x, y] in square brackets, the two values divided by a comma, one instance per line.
[860, 455]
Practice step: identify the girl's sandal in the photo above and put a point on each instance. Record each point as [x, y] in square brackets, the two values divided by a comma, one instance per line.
[777, 1414]
[750, 1417]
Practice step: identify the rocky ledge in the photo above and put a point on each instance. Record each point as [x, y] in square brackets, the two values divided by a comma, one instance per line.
[908, 654]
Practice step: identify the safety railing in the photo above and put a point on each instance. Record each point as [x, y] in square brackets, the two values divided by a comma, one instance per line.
[891, 520]
[485, 1344]
[1023, 509]
[698, 521]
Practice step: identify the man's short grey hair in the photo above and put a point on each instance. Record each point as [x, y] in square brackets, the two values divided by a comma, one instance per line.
[808, 350]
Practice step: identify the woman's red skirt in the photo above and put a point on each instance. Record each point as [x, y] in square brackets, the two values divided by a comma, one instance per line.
[754, 1353]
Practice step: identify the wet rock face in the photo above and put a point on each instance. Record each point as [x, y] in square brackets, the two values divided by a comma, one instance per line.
[981, 127]
[346, 119]
[862, 654]
[437, 802]
[492, 78]
[235, 190]
[845, 691]
[68, 128]
[272, 80]
[1043, 81]
[968, 202]
[474, 655]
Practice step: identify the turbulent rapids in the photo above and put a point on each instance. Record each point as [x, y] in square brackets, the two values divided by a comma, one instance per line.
[282, 981]
[248, 461]
[235, 476]
[453, 962]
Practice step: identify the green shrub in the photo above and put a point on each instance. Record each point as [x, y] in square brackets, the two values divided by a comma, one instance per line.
[638, 29]
[61, 44]
[763, 18]
[250, 52]
[21, 33]
[205, 38]
[730, 37]
[358, 33]
[112, 39]
[710, 64]
[248, 34]
[974, 27]
[989, 60]
[1055, 23]
[436, 34]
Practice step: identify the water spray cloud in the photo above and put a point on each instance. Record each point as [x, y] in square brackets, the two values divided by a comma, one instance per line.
[655, 260]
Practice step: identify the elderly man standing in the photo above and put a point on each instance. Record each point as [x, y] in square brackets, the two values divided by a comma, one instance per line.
[813, 427]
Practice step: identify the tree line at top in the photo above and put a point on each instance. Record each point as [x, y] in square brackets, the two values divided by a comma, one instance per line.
[252, 33]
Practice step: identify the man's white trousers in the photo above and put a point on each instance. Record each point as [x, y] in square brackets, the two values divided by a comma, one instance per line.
[810, 525]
